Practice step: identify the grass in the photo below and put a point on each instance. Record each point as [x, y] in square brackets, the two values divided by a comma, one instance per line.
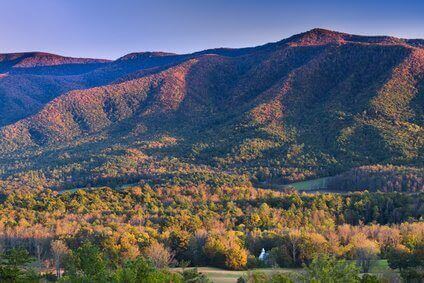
[381, 269]
[319, 184]
[315, 184]
[218, 275]
[380, 266]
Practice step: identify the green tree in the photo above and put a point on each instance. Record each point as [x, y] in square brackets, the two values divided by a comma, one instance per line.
[192, 275]
[326, 269]
[398, 257]
[87, 264]
[143, 271]
[409, 261]
[13, 263]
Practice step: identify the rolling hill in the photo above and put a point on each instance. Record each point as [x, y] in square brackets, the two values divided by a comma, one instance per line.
[316, 104]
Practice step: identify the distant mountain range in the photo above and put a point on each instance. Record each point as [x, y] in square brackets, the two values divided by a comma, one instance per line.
[316, 104]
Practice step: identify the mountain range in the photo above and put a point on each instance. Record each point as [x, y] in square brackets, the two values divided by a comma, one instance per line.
[316, 104]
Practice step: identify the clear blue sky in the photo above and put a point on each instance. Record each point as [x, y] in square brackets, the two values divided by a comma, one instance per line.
[112, 28]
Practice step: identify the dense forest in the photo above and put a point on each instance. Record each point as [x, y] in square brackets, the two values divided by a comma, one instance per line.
[211, 226]
[380, 178]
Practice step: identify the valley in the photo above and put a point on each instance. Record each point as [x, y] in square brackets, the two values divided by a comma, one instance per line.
[163, 167]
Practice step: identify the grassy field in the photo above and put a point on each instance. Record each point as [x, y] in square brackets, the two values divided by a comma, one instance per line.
[309, 185]
[381, 268]
[315, 184]
[217, 275]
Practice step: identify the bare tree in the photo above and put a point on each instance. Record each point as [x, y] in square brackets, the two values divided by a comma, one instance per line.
[59, 250]
[160, 255]
[294, 237]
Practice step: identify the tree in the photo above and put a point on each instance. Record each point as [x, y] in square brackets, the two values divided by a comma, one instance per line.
[59, 250]
[179, 241]
[294, 238]
[142, 271]
[328, 269]
[87, 263]
[236, 258]
[195, 251]
[160, 255]
[312, 244]
[214, 250]
[225, 250]
[194, 276]
[12, 265]
[365, 252]
[409, 261]
[398, 257]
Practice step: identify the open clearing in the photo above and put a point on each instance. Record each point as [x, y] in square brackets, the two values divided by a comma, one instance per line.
[314, 185]
[217, 275]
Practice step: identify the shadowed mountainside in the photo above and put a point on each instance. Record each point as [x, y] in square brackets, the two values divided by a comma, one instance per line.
[314, 104]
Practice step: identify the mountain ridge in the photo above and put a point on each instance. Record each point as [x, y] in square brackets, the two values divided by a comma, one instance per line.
[24, 60]
[317, 103]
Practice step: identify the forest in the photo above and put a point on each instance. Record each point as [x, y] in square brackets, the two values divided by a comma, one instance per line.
[105, 234]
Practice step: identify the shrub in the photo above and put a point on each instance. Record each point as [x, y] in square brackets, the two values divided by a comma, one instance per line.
[328, 269]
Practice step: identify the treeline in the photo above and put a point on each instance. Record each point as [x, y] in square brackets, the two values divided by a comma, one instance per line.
[88, 263]
[207, 226]
[384, 178]
[111, 167]
[134, 168]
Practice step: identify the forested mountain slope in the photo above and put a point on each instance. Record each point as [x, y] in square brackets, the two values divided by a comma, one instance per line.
[318, 103]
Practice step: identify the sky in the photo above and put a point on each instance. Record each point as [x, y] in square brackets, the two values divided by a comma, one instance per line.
[112, 28]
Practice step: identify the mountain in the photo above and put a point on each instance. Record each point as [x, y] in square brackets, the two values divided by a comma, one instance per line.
[30, 80]
[315, 104]
[45, 63]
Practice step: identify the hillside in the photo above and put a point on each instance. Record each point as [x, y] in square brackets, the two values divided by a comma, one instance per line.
[30, 80]
[315, 104]
[36, 62]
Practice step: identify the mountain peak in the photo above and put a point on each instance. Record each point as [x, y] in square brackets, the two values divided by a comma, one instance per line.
[322, 31]
[317, 36]
[145, 55]
[320, 36]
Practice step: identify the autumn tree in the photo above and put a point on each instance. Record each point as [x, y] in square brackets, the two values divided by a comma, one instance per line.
[160, 255]
[235, 258]
[365, 251]
[60, 251]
